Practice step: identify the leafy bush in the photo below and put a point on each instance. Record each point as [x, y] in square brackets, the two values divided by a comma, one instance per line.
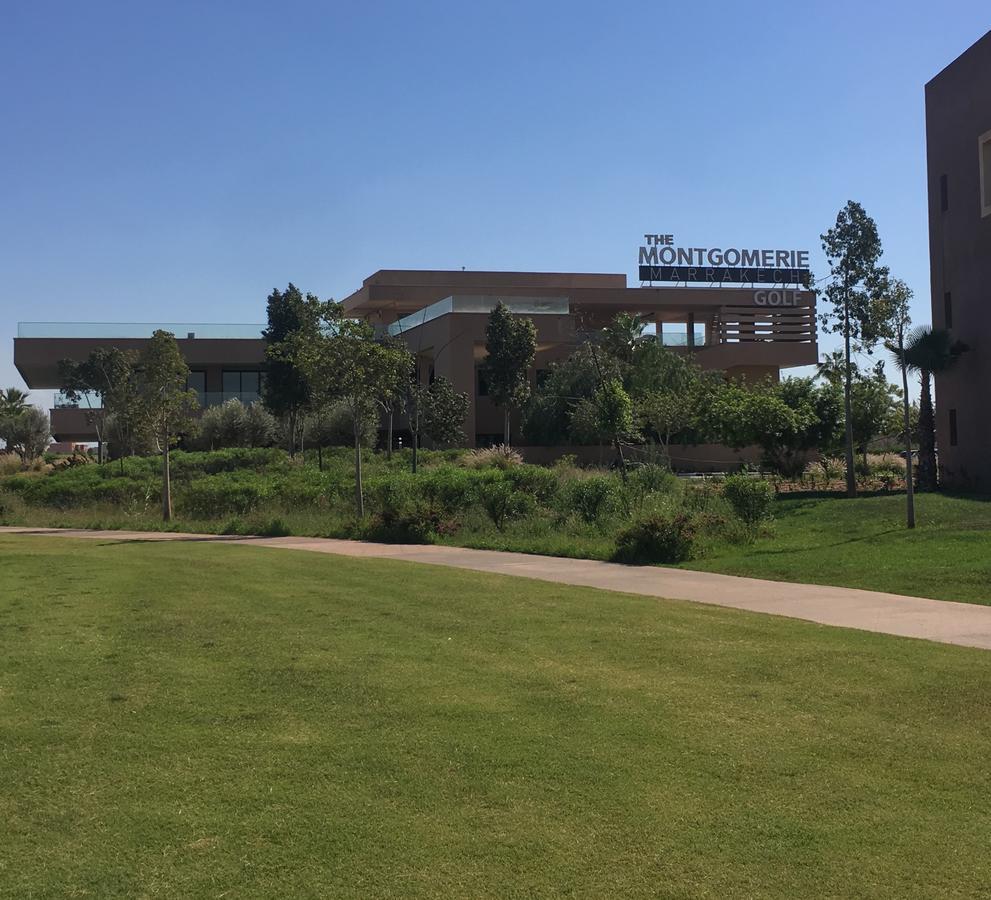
[453, 488]
[750, 498]
[537, 481]
[222, 494]
[11, 508]
[501, 502]
[592, 498]
[333, 426]
[658, 538]
[274, 527]
[653, 479]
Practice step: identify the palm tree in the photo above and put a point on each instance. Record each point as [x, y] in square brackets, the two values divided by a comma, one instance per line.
[930, 351]
[13, 401]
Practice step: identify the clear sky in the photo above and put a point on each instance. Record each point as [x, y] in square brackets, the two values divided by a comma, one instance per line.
[176, 161]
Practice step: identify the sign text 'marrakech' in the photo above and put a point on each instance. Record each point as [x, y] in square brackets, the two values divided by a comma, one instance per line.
[660, 260]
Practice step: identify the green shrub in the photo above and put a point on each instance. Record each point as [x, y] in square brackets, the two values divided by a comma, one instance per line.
[501, 502]
[453, 488]
[653, 479]
[750, 498]
[658, 538]
[224, 494]
[540, 483]
[592, 498]
[11, 508]
[274, 527]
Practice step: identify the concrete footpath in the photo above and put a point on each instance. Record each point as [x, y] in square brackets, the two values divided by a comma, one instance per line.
[936, 620]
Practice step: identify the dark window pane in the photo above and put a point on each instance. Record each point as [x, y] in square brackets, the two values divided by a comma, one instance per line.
[196, 381]
[232, 382]
[953, 428]
[249, 382]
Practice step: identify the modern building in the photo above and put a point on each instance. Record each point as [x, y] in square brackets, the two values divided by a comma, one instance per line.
[746, 332]
[225, 361]
[958, 142]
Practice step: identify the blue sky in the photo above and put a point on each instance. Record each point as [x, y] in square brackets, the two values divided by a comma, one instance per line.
[174, 162]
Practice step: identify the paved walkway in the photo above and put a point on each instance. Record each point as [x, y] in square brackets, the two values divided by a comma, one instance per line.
[935, 620]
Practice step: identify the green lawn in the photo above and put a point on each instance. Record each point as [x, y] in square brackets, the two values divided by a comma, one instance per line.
[199, 720]
[864, 543]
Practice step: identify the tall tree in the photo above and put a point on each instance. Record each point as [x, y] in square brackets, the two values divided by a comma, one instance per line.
[13, 401]
[929, 351]
[872, 398]
[342, 361]
[511, 345]
[556, 413]
[613, 416]
[671, 394]
[105, 382]
[286, 393]
[858, 298]
[167, 406]
[900, 297]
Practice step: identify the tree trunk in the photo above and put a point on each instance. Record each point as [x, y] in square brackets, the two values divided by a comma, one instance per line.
[359, 498]
[906, 410]
[927, 476]
[851, 475]
[621, 459]
[416, 445]
[166, 482]
[99, 451]
[320, 456]
[388, 449]
[505, 433]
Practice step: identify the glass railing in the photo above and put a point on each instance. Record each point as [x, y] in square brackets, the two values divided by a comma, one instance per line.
[680, 338]
[522, 306]
[182, 330]
[86, 400]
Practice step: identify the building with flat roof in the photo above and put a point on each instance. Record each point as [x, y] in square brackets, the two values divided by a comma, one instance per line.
[958, 146]
[746, 332]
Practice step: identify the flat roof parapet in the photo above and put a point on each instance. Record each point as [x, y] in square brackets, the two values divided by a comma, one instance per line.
[139, 330]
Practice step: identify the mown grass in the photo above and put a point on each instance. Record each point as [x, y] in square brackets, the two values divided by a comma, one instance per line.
[864, 543]
[201, 720]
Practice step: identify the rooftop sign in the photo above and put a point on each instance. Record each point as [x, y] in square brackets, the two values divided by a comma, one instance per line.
[661, 260]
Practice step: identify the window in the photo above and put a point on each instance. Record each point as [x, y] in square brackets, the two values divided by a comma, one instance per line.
[947, 310]
[984, 148]
[953, 428]
[483, 384]
[243, 386]
[944, 194]
[196, 381]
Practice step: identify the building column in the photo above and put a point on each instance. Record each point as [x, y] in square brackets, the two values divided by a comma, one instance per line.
[455, 361]
[691, 331]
